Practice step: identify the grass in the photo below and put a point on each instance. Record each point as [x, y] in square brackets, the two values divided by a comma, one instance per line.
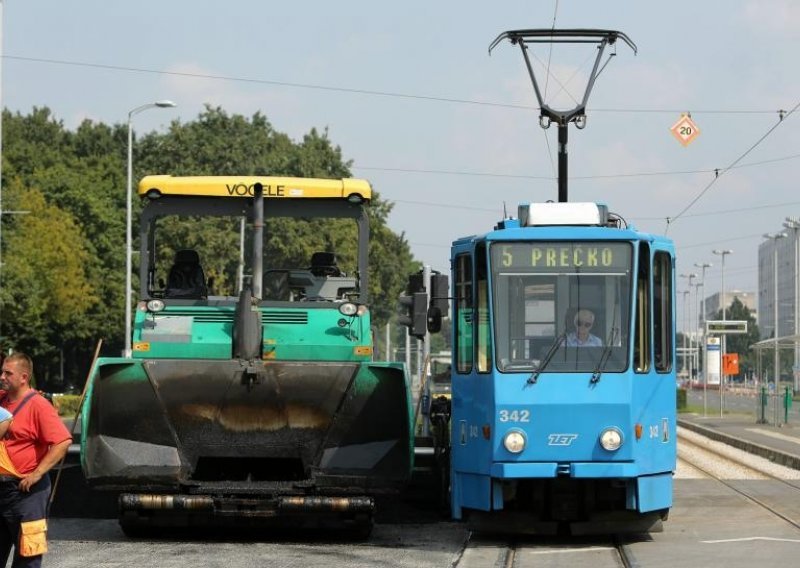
[691, 409]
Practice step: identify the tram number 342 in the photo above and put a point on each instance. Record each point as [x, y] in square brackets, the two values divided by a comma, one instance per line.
[514, 415]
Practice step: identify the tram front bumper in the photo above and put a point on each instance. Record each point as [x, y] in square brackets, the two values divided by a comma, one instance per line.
[590, 470]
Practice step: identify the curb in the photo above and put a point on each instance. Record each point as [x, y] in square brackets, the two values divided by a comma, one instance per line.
[773, 455]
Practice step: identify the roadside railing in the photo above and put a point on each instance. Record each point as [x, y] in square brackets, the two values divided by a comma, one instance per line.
[775, 404]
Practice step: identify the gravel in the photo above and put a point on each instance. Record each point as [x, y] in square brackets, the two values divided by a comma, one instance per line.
[738, 465]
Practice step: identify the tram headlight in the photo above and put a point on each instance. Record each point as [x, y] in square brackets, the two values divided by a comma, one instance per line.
[611, 439]
[514, 441]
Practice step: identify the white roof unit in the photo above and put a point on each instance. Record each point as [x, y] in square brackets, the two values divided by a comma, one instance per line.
[580, 214]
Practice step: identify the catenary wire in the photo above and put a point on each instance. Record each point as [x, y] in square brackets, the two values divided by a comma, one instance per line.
[369, 92]
[781, 113]
[572, 178]
[632, 219]
[722, 172]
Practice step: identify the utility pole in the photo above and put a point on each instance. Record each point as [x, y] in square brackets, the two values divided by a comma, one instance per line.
[702, 266]
[793, 223]
[691, 278]
[774, 238]
[685, 352]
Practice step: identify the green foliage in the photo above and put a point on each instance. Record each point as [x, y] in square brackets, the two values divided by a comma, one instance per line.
[63, 275]
[741, 343]
[218, 144]
[46, 289]
[681, 400]
[67, 404]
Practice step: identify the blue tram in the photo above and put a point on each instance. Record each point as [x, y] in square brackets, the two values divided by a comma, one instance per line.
[563, 374]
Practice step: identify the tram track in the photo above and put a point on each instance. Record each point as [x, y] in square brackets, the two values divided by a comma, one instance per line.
[692, 448]
[516, 552]
[731, 467]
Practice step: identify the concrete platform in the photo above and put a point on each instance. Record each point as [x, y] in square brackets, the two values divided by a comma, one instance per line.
[780, 445]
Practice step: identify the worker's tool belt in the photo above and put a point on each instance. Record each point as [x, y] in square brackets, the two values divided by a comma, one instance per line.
[33, 538]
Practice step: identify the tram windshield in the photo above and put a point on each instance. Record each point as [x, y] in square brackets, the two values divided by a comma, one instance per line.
[566, 303]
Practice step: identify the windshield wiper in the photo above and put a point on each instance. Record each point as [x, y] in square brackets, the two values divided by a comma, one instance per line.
[603, 358]
[549, 355]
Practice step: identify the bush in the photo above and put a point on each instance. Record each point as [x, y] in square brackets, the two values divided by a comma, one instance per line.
[681, 399]
[66, 404]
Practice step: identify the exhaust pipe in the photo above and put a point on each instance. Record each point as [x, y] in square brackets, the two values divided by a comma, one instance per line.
[258, 239]
[247, 326]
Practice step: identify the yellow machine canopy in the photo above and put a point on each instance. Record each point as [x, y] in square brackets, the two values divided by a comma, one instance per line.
[242, 186]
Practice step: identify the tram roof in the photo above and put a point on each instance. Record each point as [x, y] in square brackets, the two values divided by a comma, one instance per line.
[357, 190]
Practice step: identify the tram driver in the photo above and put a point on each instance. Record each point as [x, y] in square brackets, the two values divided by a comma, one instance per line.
[582, 336]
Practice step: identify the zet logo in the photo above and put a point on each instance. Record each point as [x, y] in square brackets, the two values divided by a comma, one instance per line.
[561, 439]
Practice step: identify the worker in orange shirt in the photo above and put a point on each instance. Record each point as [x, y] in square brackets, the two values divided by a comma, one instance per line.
[34, 442]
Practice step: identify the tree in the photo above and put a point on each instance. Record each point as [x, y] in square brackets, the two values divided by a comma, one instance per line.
[82, 174]
[46, 290]
[221, 144]
[741, 343]
[63, 274]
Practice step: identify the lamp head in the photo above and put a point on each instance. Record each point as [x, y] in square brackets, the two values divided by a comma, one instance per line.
[165, 104]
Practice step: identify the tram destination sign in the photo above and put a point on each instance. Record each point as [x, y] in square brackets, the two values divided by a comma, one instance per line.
[729, 327]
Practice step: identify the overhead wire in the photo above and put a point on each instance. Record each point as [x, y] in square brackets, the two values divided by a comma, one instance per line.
[725, 211]
[725, 170]
[550, 51]
[632, 219]
[588, 177]
[368, 92]
[718, 173]
[547, 82]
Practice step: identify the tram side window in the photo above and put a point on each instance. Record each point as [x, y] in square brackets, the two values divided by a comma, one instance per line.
[641, 345]
[463, 313]
[483, 337]
[663, 331]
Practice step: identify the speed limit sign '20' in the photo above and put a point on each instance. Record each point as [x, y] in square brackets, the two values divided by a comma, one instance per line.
[685, 130]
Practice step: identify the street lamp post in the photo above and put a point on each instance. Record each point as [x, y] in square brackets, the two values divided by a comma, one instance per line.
[774, 237]
[702, 266]
[127, 353]
[723, 302]
[698, 340]
[691, 278]
[794, 224]
[685, 352]
[703, 362]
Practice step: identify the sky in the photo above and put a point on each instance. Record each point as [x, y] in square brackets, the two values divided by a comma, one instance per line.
[447, 132]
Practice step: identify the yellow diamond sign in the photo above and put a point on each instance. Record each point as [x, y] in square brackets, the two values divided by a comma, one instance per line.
[685, 130]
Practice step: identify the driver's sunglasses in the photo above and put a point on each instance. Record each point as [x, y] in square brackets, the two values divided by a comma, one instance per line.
[581, 323]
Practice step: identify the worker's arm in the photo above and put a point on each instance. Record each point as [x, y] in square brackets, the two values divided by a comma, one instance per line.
[54, 455]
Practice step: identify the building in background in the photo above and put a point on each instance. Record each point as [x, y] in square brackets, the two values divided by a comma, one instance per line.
[714, 305]
[786, 287]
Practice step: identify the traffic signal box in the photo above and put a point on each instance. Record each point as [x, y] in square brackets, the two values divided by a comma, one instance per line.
[440, 291]
[415, 316]
[421, 313]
